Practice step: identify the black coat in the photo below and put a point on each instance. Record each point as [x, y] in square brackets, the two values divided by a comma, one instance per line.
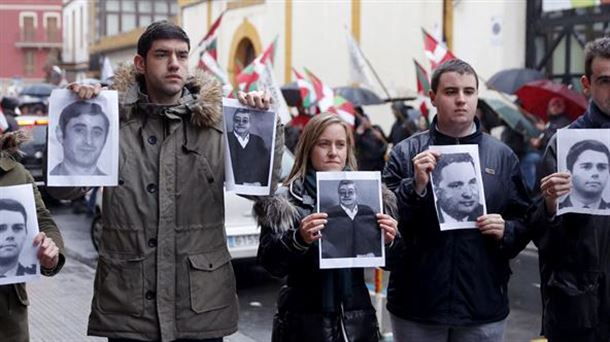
[456, 277]
[574, 257]
[250, 164]
[347, 238]
[300, 309]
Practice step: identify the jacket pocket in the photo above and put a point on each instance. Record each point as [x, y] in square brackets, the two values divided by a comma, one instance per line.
[22, 295]
[211, 280]
[119, 286]
[573, 300]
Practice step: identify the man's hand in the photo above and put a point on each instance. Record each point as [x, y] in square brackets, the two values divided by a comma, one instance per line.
[48, 253]
[311, 225]
[554, 186]
[491, 225]
[424, 163]
[85, 91]
[389, 227]
[258, 99]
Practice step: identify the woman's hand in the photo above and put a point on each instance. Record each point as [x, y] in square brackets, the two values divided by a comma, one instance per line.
[258, 99]
[389, 227]
[311, 226]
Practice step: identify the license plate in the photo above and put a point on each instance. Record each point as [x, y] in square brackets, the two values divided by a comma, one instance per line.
[242, 240]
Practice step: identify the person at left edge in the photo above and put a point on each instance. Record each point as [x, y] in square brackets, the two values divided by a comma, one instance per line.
[13, 297]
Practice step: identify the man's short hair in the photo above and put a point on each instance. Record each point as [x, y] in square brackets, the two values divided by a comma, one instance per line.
[160, 30]
[242, 111]
[586, 145]
[8, 204]
[448, 159]
[453, 65]
[597, 48]
[79, 108]
[345, 182]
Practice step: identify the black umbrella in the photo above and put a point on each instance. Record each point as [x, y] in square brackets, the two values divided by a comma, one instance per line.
[38, 90]
[509, 80]
[291, 94]
[359, 96]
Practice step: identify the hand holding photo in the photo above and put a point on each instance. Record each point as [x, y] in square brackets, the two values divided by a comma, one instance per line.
[83, 140]
[352, 236]
[458, 187]
[250, 136]
[585, 154]
[18, 227]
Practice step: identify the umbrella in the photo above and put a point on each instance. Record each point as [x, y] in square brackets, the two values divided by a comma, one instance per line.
[509, 80]
[512, 116]
[358, 96]
[535, 96]
[38, 90]
[292, 94]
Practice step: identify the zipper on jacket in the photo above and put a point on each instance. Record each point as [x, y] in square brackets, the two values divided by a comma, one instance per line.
[342, 325]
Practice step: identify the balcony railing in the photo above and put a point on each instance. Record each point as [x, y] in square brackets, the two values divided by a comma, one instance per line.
[30, 39]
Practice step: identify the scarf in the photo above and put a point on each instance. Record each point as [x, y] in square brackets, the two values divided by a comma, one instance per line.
[592, 118]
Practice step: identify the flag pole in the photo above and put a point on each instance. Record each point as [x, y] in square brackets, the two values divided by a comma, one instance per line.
[385, 90]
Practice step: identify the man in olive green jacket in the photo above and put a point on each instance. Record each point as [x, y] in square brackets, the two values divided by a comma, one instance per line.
[13, 297]
[164, 270]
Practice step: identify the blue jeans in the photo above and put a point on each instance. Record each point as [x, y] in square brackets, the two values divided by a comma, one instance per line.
[529, 165]
[406, 331]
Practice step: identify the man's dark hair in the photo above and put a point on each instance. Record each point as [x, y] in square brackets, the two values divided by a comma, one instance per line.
[8, 204]
[79, 108]
[242, 111]
[453, 65]
[448, 159]
[345, 182]
[586, 145]
[160, 30]
[597, 48]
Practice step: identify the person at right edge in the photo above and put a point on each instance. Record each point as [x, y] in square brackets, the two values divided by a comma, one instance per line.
[452, 285]
[316, 305]
[574, 249]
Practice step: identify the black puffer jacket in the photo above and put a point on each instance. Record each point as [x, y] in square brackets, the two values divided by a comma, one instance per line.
[456, 277]
[300, 311]
[574, 252]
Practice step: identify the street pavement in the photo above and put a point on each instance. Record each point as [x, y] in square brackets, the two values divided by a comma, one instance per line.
[60, 305]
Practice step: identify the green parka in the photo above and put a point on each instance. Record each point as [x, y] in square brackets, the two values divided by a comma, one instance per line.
[13, 297]
[164, 270]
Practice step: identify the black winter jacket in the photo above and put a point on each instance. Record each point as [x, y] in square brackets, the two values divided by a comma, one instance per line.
[456, 277]
[300, 315]
[574, 253]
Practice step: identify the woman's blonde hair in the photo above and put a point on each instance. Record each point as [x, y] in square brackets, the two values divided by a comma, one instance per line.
[308, 139]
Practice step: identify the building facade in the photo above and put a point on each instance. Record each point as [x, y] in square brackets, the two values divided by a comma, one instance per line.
[75, 50]
[31, 40]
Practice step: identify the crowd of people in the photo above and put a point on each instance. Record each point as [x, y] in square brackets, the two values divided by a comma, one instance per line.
[164, 271]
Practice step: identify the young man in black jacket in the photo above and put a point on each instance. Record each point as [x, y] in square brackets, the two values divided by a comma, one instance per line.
[452, 285]
[574, 249]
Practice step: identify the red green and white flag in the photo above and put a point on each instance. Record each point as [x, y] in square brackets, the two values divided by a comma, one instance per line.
[209, 42]
[208, 63]
[423, 81]
[247, 79]
[324, 93]
[308, 94]
[344, 109]
[436, 51]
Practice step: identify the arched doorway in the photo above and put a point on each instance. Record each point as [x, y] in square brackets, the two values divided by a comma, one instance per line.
[245, 46]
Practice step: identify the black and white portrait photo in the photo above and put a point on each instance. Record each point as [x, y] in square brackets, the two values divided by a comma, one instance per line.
[83, 140]
[585, 154]
[351, 237]
[18, 227]
[458, 186]
[250, 136]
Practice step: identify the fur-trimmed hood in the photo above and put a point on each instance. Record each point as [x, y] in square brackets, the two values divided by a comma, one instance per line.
[280, 211]
[10, 142]
[202, 98]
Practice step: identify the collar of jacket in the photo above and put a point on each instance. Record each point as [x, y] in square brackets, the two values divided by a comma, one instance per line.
[201, 98]
[592, 118]
[9, 148]
[297, 190]
[438, 138]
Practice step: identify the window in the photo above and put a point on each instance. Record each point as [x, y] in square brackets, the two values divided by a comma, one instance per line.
[28, 62]
[52, 29]
[29, 29]
[118, 16]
